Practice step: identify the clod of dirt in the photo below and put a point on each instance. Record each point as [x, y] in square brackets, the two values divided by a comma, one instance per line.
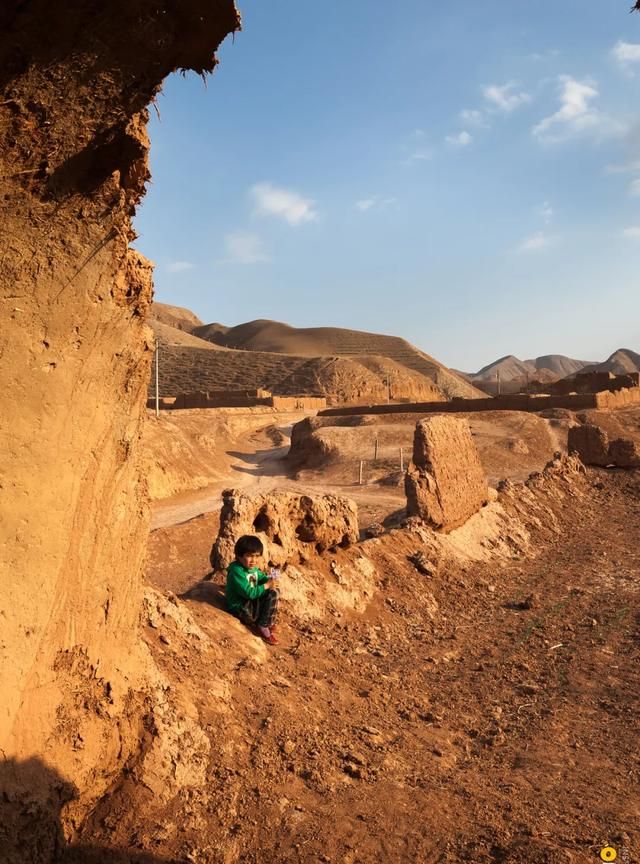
[422, 563]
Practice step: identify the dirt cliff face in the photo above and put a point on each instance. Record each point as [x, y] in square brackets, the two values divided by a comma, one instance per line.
[74, 364]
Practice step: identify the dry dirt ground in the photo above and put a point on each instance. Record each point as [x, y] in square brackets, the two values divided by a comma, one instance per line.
[486, 712]
[193, 455]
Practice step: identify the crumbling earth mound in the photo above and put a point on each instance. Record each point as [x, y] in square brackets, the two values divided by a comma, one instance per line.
[607, 438]
[75, 83]
[293, 527]
[510, 443]
[445, 483]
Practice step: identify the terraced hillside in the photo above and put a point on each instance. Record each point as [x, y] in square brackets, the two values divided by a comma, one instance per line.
[274, 336]
[185, 368]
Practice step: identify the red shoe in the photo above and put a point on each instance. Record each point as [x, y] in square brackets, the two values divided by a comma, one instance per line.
[267, 636]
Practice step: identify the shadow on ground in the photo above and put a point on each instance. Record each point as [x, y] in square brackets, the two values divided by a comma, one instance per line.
[208, 592]
[32, 797]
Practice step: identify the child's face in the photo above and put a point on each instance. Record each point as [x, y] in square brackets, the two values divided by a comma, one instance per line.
[250, 560]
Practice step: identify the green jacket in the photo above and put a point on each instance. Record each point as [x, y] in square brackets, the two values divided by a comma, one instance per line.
[243, 585]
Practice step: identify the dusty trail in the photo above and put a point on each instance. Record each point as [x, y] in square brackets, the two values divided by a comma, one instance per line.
[257, 464]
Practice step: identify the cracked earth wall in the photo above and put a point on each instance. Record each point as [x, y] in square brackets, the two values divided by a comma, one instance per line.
[75, 83]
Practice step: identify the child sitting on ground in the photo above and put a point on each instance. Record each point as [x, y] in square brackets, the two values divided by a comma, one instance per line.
[251, 594]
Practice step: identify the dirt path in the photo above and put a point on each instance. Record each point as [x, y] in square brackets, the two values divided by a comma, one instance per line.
[259, 464]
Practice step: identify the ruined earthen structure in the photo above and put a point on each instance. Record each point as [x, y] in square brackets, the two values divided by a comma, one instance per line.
[239, 399]
[293, 528]
[593, 446]
[573, 402]
[75, 84]
[445, 483]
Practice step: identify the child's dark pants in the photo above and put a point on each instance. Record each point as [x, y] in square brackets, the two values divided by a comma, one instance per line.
[262, 611]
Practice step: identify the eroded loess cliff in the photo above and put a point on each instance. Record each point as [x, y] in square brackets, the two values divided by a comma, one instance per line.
[75, 353]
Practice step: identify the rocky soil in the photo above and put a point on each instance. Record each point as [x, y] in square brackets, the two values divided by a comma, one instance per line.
[478, 703]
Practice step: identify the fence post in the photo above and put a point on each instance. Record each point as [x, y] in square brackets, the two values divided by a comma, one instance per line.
[401, 461]
[361, 467]
[375, 450]
[157, 385]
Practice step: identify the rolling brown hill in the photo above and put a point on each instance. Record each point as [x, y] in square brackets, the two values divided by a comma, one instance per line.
[276, 337]
[166, 335]
[175, 316]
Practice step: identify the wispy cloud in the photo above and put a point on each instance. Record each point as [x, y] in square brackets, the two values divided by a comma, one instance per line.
[632, 167]
[459, 140]
[420, 154]
[505, 97]
[270, 200]
[545, 212]
[243, 247]
[632, 233]
[179, 266]
[375, 202]
[576, 114]
[539, 56]
[472, 117]
[536, 243]
[365, 204]
[634, 188]
[626, 53]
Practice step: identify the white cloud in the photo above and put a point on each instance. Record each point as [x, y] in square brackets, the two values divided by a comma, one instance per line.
[576, 114]
[545, 211]
[634, 188]
[272, 200]
[462, 139]
[632, 167]
[632, 233]
[505, 97]
[536, 242]
[179, 266]
[626, 53]
[366, 204]
[539, 56]
[421, 154]
[242, 247]
[472, 117]
[374, 202]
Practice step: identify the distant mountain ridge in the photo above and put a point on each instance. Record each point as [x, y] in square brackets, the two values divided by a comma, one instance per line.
[510, 367]
[621, 362]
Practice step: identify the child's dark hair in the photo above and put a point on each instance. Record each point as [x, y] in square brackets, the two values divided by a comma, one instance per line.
[248, 545]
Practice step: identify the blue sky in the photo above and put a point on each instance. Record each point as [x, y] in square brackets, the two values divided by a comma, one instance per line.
[465, 175]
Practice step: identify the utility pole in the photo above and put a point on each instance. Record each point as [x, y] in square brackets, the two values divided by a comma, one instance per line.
[498, 380]
[401, 460]
[157, 381]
